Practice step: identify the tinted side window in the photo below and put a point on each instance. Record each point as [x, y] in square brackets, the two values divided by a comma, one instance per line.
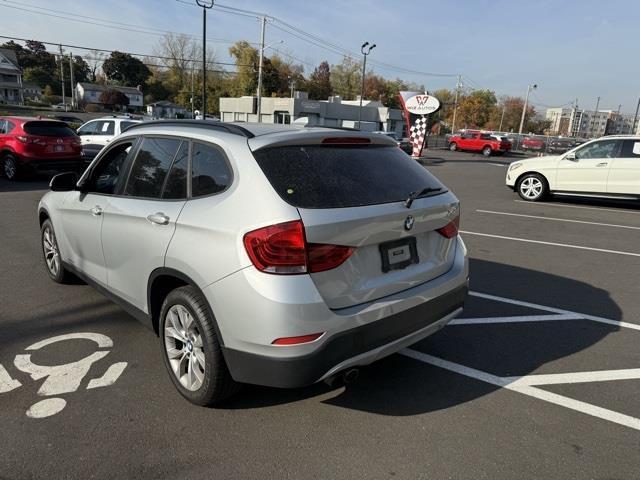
[630, 149]
[209, 170]
[600, 149]
[106, 174]
[125, 125]
[176, 184]
[106, 127]
[88, 128]
[3, 127]
[486, 136]
[151, 166]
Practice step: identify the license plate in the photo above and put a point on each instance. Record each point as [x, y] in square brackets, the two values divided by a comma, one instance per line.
[398, 254]
[58, 148]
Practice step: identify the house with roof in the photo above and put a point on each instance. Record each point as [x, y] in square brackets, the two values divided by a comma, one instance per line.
[166, 109]
[10, 78]
[89, 93]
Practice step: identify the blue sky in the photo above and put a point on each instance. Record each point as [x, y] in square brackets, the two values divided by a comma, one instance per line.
[570, 48]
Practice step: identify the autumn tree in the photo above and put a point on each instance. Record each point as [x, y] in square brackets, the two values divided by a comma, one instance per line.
[476, 108]
[345, 78]
[246, 59]
[114, 98]
[319, 83]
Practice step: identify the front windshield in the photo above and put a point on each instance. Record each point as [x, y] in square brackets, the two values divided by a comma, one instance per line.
[600, 149]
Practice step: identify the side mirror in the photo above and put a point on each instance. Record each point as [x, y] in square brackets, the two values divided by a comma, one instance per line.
[571, 156]
[64, 182]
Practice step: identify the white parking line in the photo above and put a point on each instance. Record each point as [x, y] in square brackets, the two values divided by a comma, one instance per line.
[540, 242]
[608, 321]
[510, 383]
[557, 219]
[579, 377]
[619, 210]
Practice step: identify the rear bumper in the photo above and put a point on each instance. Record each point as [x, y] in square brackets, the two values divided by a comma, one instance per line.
[253, 309]
[355, 347]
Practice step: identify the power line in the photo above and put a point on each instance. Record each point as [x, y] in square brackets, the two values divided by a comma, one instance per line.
[209, 62]
[101, 22]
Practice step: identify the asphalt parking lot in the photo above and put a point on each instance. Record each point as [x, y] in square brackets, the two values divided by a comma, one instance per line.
[539, 378]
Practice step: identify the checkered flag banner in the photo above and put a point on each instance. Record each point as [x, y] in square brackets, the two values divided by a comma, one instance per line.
[418, 135]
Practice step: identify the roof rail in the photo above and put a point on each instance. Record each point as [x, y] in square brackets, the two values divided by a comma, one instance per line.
[206, 124]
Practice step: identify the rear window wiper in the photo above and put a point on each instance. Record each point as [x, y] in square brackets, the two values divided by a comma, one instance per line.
[413, 195]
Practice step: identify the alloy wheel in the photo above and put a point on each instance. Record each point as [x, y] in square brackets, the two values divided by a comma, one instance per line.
[184, 347]
[51, 253]
[10, 168]
[531, 187]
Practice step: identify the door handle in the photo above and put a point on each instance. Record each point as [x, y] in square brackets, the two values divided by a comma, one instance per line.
[602, 164]
[158, 218]
[97, 210]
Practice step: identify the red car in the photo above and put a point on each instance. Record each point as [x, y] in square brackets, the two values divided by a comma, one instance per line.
[475, 141]
[30, 144]
[533, 143]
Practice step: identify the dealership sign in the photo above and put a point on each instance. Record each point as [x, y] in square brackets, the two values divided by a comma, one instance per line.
[422, 104]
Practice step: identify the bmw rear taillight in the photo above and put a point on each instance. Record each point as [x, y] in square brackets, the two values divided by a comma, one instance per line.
[450, 230]
[283, 249]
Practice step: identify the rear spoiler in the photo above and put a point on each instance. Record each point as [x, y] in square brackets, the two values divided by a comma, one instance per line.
[318, 137]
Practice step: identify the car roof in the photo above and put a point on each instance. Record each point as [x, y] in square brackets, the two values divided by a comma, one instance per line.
[29, 119]
[261, 135]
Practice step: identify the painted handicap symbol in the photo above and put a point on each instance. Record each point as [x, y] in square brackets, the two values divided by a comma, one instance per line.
[61, 379]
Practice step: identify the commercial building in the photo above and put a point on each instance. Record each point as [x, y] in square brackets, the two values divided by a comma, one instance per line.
[574, 122]
[10, 78]
[333, 112]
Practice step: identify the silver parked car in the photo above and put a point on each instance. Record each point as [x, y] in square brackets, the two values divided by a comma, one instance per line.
[276, 255]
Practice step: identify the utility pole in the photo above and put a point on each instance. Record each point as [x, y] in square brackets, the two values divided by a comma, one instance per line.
[263, 23]
[364, 72]
[524, 107]
[593, 119]
[206, 5]
[193, 93]
[635, 117]
[64, 102]
[455, 104]
[74, 103]
[502, 118]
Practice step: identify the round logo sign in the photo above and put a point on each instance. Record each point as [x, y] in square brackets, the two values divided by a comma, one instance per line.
[422, 104]
[408, 223]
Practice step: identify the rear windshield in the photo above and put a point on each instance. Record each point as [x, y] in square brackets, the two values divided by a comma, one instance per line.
[48, 129]
[337, 176]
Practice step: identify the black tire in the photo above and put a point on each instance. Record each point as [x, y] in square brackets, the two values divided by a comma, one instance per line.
[10, 167]
[532, 187]
[453, 146]
[217, 384]
[486, 151]
[59, 274]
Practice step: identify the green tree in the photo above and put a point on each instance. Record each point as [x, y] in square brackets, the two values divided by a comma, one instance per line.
[126, 70]
[81, 70]
[345, 78]
[246, 59]
[319, 83]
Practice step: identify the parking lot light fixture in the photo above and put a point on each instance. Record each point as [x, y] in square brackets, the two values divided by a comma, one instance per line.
[524, 107]
[206, 5]
[366, 50]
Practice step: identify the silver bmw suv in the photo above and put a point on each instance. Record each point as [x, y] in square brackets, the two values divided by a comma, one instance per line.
[276, 255]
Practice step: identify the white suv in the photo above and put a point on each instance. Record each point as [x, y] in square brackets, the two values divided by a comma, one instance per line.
[608, 167]
[97, 133]
[269, 254]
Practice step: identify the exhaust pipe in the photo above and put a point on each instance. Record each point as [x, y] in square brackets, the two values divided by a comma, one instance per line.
[350, 376]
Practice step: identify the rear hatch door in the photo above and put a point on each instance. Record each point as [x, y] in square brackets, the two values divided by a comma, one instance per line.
[355, 195]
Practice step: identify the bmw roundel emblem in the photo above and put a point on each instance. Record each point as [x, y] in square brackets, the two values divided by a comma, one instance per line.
[408, 222]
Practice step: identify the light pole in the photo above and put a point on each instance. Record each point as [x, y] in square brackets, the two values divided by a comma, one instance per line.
[206, 5]
[524, 107]
[365, 51]
[455, 104]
